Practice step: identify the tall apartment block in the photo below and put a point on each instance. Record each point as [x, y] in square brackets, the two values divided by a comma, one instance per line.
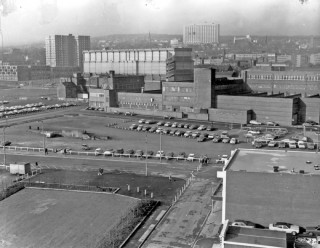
[201, 34]
[66, 50]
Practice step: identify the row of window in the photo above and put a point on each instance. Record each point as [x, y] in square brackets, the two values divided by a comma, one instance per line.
[285, 77]
[178, 89]
[178, 98]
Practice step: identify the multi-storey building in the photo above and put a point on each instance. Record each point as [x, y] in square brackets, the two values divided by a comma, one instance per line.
[65, 50]
[315, 59]
[201, 33]
[172, 64]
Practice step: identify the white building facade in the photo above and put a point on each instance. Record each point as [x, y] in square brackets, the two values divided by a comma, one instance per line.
[201, 34]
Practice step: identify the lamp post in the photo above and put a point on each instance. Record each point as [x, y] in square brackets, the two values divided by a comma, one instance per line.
[4, 144]
[44, 138]
[160, 147]
[146, 155]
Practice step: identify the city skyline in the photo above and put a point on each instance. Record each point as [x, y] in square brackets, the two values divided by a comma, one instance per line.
[26, 22]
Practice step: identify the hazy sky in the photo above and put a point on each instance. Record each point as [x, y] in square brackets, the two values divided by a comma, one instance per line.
[25, 21]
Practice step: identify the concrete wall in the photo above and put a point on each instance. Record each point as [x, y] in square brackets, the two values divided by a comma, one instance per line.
[263, 109]
[147, 112]
[312, 109]
[194, 116]
[231, 116]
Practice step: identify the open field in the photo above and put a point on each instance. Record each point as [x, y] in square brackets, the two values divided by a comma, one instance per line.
[162, 189]
[52, 218]
[14, 94]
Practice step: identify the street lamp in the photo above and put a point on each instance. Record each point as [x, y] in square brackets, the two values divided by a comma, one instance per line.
[146, 155]
[44, 138]
[4, 142]
[160, 146]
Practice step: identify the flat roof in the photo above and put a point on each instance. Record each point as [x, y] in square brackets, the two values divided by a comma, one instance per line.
[255, 236]
[259, 160]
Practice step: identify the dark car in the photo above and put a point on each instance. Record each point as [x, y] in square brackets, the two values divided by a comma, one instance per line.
[186, 125]
[169, 155]
[6, 143]
[138, 153]
[210, 128]
[153, 129]
[313, 230]
[193, 127]
[179, 133]
[181, 125]
[172, 132]
[168, 117]
[146, 128]
[118, 152]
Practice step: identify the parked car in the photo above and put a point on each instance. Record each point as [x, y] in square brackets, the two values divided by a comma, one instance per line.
[282, 144]
[216, 139]
[243, 223]
[210, 128]
[254, 132]
[234, 141]
[160, 123]
[169, 155]
[118, 152]
[181, 125]
[130, 152]
[175, 124]
[138, 153]
[133, 126]
[108, 152]
[160, 154]
[201, 138]
[202, 127]
[6, 143]
[272, 143]
[285, 227]
[311, 146]
[311, 122]
[313, 230]
[191, 157]
[172, 132]
[188, 134]
[146, 128]
[254, 122]
[271, 123]
[186, 125]
[153, 129]
[139, 128]
[129, 113]
[85, 147]
[141, 121]
[292, 144]
[168, 117]
[226, 140]
[316, 167]
[193, 127]
[195, 134]
[159, 130]
[166, 131]
[211, 135]
[149, 154]
[222, 159]
[168, 124]
[181, 155]
[302, 144]
[98, 152]
[179, 133]
[150, 122]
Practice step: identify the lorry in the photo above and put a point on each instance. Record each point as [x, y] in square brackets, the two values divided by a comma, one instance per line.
[20, 169]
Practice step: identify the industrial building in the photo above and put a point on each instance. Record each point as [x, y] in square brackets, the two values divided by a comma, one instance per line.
[268, 186]
[207, 33]
[73, 88]
[65, 50]
[21, 73]
[172, 64]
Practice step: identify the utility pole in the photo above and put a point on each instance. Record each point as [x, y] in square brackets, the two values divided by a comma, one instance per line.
[44, 138]
[160, 147]
[146, 155]
[4, 140]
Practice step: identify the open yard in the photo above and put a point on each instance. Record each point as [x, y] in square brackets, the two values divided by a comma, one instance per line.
[162, 189]
[54, 219]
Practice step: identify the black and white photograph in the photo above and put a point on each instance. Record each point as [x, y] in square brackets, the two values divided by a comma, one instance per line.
[159, 123]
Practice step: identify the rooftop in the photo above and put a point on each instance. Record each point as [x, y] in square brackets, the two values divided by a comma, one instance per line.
[264, 160]
[255, 236]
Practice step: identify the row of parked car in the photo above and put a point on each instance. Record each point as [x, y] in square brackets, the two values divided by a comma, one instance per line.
[280, 226]
[285, 143]
[145, 154]
[28, 108]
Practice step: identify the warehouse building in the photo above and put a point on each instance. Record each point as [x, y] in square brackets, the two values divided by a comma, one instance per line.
[268, 186]
[172, 64]
[72, 88]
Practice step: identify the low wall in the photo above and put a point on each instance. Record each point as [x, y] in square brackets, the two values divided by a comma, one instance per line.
[147, 112]
[202, 117]
[228, 115]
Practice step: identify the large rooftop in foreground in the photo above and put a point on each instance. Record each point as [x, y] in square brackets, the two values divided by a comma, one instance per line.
[264, 160]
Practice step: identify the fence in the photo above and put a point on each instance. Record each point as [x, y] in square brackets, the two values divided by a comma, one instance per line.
[70, 152]
[70, 187]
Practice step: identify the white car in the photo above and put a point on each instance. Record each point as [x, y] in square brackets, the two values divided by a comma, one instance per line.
[254, 132]
[160, 154]
[292, 144]
[285, 227]
[202, 127]
[272, 143]
[191, 157]
[302, 144]
[243, 223]
[98, 151]
[234, 141]
[108, 152]
[254, 122]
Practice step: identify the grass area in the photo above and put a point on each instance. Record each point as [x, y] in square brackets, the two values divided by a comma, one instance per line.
[162, 189]
[51, 218]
